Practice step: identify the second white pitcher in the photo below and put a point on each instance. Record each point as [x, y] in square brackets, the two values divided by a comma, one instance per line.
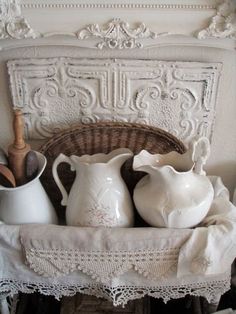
[99, 196]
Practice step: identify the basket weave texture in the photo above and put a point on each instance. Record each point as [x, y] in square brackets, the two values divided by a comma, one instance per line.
[103, 137]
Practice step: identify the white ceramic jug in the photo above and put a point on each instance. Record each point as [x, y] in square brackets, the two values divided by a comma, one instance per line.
[99, 196]
[27, 203]
[175, 193]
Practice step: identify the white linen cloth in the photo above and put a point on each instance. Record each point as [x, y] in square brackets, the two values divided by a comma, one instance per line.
[211, 248]
[122, 264]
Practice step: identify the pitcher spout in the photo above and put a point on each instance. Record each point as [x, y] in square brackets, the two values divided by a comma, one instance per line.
[119, 156]
[145, 161]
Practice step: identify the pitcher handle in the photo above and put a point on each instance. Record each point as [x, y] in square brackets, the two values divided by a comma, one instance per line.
[61, 158]
[200, 154]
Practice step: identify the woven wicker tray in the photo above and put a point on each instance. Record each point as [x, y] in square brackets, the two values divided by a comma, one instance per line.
[103, 137]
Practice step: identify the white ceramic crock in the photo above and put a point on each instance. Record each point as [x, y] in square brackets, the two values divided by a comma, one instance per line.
[27, 203]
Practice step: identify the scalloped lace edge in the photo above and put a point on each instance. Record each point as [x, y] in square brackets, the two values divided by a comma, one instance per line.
[120, 295]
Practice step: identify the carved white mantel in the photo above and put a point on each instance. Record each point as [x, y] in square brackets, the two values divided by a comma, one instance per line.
[17, 21]
[55, 93]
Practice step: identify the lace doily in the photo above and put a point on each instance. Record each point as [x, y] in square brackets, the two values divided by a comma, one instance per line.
[120, 295]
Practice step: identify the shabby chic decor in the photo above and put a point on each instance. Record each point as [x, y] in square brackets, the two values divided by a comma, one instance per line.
[53, 93]
[120, 264]
[116, 33]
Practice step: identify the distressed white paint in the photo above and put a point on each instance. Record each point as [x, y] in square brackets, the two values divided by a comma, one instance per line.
[54, 93]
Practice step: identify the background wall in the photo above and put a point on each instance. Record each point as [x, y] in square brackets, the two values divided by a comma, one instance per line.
[183, 22]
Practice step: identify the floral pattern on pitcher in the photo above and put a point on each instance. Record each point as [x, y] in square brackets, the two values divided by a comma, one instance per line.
[100, 216]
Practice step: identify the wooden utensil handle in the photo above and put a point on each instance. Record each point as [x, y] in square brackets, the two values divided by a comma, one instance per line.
[16, 158]
[18, 127]
[18, 150]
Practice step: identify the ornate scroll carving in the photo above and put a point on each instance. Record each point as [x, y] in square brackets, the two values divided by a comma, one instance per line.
[223, 24]
[117, 34]
[54, 93]
[178, 97]
[12, 24]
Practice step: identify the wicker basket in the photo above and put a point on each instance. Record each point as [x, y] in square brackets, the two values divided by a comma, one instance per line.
[103, 137]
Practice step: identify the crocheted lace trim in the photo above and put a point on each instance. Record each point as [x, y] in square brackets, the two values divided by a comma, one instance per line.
[103, 266]
[120, 295]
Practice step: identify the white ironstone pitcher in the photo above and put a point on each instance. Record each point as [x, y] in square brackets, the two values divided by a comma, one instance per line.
[99, 196]
[27, 203]
[175, 193]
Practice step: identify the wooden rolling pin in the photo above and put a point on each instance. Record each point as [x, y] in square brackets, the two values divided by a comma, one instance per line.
[18, 150]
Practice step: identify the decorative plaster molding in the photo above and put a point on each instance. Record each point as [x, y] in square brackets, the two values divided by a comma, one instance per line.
[12, 24]
[54, 93]
[117, 34]
[223, 24]
[118, 6]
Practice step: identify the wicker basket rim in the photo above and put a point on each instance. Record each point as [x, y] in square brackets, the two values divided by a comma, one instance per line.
[125, 125]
